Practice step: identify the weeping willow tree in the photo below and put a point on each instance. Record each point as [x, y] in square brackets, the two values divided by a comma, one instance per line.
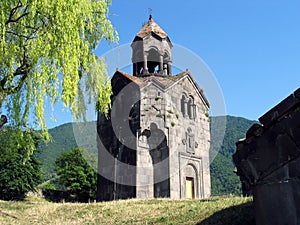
[46, 54]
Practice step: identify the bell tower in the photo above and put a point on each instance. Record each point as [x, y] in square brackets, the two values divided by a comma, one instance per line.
[155, 141]
[151, 51]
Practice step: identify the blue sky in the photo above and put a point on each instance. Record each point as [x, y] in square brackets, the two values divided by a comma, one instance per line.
[252, 47]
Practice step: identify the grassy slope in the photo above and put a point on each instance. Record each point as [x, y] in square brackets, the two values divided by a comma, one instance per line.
[216, 211]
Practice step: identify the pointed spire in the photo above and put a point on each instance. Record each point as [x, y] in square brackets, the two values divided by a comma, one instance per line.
[150, 14]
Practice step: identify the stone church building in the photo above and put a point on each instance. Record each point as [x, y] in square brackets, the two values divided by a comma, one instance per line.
[155, 142]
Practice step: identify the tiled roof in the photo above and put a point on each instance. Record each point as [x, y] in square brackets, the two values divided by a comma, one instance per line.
[163, 81]
[151, 26]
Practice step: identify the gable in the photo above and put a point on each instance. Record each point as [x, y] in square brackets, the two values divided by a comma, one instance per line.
[164, 83]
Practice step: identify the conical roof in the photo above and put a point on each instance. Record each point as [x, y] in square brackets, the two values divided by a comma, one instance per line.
[151, 26]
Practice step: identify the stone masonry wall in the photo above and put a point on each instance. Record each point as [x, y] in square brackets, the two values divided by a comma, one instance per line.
[268, 162]
[163, 108]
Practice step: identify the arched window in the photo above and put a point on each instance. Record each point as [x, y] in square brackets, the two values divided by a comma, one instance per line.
[184, 102]
[191, 108]
[188, 107]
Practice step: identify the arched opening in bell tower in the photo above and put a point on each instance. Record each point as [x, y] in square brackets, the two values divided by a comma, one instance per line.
[153, 61]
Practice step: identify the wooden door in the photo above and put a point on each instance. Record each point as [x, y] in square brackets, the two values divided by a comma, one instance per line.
[189, 188]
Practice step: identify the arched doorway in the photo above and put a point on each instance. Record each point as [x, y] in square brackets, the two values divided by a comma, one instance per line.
[190, 182]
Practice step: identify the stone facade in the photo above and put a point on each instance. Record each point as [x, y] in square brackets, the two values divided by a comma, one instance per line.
[156, 141]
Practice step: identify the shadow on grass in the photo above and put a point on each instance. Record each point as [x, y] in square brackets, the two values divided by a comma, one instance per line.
[236, 215]
[8, 215]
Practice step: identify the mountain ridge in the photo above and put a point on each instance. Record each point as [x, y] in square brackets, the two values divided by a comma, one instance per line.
[223, 180]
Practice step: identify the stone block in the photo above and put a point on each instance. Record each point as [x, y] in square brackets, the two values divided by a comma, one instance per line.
[279, 110]
[268, 163]
[277, 203]
[297, 93]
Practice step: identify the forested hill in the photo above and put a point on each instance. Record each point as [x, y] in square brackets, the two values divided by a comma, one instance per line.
[224, 181]
[62, 139]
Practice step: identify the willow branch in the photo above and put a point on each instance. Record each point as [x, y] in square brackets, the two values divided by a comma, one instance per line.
[14, 10]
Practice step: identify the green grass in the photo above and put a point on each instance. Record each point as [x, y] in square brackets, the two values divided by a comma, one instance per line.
[214, 211]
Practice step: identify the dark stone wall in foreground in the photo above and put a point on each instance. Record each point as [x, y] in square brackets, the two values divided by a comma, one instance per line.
[268, 164]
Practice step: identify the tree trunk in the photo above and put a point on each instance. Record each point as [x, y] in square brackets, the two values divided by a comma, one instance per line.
[3, 120]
